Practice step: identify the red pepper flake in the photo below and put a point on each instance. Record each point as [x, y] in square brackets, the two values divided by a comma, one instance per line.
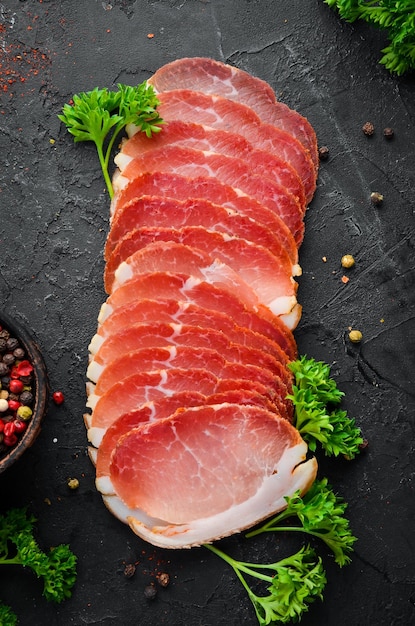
[150, 36]
[345, 279]
[24, 368]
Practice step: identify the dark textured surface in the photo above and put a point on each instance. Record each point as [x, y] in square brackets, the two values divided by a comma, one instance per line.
[54, 218]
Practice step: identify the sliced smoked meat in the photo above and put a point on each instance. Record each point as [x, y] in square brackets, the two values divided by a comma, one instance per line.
[168, 212]
[215, 77]
[221, 113]
[217, 297]
[270, 277]
[228, 170]
[172, 356]
[228, 467]
[170, 185]
[136, 390]
[221, 141]
[190, 313]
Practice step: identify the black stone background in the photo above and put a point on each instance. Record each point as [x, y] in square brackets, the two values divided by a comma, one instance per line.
[53, 223]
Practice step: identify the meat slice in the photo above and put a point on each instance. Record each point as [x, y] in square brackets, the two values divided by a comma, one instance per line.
[216, 297]
[215, 77]
[190, 358]
[228, 170]
[228, 467]
[154, 211]
[169, 185]
[104, 442]
[270, 278]
[180, 312]
[221, 113]
[138, 389]
[189, 134]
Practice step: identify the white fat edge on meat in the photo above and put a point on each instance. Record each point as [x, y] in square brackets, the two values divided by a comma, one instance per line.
[93, 398]
[95, 343]
[119, 181]
[95, 369]
[104, 312]
[121, 160]
[291, 473]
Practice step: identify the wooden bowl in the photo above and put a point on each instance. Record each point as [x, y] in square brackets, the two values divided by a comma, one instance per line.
[40, 389]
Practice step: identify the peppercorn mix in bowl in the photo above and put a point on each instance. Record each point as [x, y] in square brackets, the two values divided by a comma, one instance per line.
[23, 390]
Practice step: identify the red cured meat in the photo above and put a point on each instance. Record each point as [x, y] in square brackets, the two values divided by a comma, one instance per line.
[216, 297]
[269, 277]
[179, 312]
[164, 335]
[143, 387]
[192, 358]
[169, 185]
[169, 256]
[147, 413]
[156, 410]
[200, 137]
[221, 113]
[208, 448]
[228, 170]
[167, 212]
[166, 357]
[215, 77]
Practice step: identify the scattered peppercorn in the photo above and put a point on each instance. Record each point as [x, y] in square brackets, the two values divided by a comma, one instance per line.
[388, 133]
[376, 197]
[163, 579]
[347, 261]
[323, 153]
[58, 397]
[129, 570]
[355, 336]
[73, 483]
[150, 592]
[368, 129]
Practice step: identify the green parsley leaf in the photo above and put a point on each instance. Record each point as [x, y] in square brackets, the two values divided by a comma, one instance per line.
[321, 514]
[100, 115]
[314, 395]
[294, 583]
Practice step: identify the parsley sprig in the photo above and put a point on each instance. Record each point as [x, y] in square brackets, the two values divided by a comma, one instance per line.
[317, 416]
[18, 546]
[100, 115]
[294, 583]
[396, 17]
[321, 514]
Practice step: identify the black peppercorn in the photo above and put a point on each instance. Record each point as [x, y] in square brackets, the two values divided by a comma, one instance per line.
[4, 369]
[26, 398]
[388, 133]
[12, 344]
[19, 354]
[3, 344]
[8, 359]
[4, 334]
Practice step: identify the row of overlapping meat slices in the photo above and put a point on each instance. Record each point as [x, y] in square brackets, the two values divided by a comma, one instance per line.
[190, 426]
